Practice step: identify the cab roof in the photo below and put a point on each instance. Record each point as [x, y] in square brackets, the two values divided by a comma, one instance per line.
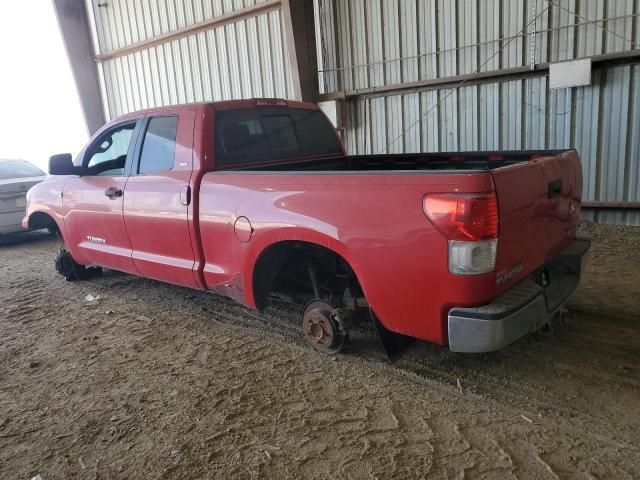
[223, 105]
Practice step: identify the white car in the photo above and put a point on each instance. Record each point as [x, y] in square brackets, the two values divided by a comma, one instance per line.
[16, 178]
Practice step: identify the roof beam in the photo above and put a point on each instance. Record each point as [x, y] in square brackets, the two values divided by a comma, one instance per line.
[617, 205]
[477, 78]
[225, 19]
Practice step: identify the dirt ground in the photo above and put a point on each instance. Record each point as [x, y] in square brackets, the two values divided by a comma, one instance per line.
[157, 381]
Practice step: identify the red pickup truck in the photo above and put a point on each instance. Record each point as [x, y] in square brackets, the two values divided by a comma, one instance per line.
[257, 198]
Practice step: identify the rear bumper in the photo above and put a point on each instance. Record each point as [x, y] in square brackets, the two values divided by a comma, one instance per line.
[11, 222]
[523, 309]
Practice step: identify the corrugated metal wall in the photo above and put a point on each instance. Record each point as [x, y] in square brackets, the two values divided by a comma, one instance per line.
[601, 121]
[386, 42]
[365, 44]
[243, 59]
[382, 42]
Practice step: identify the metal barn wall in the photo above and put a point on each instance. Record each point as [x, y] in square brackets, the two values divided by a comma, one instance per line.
[382, 42]
[601, 121]
[371, 44]
[242, 59]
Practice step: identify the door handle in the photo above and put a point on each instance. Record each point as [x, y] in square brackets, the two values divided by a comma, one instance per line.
[185, 195]
[113, 192]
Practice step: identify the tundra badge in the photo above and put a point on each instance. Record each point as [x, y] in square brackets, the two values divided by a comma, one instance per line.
[96, 239]
[505, 275]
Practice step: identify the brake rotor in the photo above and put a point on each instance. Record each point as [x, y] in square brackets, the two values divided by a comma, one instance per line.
[322, 327]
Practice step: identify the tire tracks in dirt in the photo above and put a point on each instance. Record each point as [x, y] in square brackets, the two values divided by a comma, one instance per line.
[186, 384]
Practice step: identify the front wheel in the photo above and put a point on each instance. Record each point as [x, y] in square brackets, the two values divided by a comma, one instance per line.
[72, 270]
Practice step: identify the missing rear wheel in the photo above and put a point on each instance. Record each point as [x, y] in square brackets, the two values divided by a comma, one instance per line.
[324, 327]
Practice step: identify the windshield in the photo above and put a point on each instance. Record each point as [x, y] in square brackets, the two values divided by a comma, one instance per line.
[18, 169]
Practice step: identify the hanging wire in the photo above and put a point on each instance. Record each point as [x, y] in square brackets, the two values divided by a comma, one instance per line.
[486, 43]
[470, 77]
[598, 23]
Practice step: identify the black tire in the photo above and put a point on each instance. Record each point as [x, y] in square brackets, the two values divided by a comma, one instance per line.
[72, 270]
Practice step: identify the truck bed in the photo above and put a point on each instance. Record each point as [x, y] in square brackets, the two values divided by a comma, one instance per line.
[370, 209]
[474, 161]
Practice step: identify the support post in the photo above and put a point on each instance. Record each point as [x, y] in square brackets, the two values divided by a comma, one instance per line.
[76, 35]
[532, 34]
[299, 25]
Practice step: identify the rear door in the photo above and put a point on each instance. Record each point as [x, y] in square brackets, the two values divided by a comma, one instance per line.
[92, 202]
[157, 197]
[539, 207]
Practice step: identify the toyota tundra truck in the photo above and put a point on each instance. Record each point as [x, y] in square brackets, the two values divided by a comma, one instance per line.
[258, 200]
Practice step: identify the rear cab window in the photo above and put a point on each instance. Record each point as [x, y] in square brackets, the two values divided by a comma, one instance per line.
[270, 134]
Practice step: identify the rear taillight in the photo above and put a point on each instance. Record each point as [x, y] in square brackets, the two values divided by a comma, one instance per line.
[472, 258]
[463, 216]
[470, 223]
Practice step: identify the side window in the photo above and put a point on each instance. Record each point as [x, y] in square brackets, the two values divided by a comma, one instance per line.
[108, 155]
[159, 145]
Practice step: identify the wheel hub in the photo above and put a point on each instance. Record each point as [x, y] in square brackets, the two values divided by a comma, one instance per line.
[321, 327]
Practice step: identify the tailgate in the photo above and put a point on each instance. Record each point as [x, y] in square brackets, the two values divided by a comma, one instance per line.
[539, 209]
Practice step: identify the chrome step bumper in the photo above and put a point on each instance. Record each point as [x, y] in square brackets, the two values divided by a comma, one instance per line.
[523, 309]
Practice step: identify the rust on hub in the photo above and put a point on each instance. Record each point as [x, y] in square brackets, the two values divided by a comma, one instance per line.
[321, 327]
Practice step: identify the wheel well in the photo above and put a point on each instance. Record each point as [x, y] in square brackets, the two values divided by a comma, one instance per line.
[39, 220]
[283, 268]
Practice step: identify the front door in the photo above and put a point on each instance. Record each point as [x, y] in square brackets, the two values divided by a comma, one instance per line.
[93, 201]
[157, 198]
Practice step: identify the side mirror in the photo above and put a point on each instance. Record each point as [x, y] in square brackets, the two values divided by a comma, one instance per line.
[61, 164]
